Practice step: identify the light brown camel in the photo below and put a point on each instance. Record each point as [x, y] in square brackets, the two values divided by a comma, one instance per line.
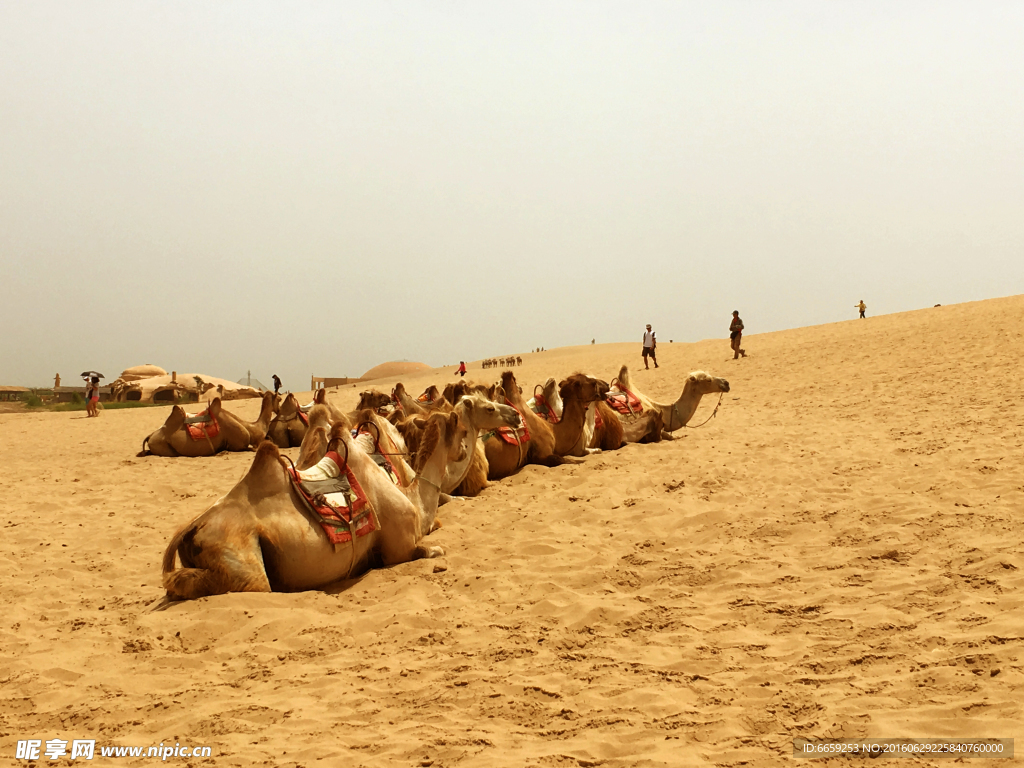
[476, 414]
[289, 426]
[263, 537]
[579, 393]
[216, 430]
[505, 458]
[675, 415]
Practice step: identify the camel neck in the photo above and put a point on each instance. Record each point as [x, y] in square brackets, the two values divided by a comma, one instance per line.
[570, 427]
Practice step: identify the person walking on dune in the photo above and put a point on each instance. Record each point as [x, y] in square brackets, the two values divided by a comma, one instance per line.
[462, 368]
[862, 307]
[277, 383]
[650, 345]
[736, 335]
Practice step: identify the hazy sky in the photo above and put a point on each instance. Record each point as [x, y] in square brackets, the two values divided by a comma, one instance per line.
[319, 187]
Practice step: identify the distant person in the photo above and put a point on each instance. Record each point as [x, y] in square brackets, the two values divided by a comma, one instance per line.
[650, 347]
[92, 397]
[462, 368]
[862, 307]
[277, 383]
[736, 335]
[56, 380]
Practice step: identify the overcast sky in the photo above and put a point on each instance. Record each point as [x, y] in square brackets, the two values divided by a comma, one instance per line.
[320, 187]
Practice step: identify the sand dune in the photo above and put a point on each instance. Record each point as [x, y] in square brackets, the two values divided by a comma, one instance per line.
[837, 553]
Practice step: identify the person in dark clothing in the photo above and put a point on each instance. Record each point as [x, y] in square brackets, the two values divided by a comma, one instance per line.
[277, 383]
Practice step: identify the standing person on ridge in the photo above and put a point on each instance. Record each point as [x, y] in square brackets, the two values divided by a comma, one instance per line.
[862, 307]
[650, 345]
[277, 383]
[736, 335]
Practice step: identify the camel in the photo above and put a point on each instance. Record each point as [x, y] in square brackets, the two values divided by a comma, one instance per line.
[476, 413]
[216, 429]
[575, 430]
[262, 536]
[675, 415]
[537, 445]
[290, 425]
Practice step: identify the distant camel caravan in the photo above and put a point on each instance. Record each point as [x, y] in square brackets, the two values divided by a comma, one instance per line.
[502, 362]
[368, 483]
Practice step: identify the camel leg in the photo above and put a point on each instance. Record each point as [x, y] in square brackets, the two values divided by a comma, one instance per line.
[232, 567]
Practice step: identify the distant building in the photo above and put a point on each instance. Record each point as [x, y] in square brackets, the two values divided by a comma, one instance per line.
[251, 381]
[14, 393]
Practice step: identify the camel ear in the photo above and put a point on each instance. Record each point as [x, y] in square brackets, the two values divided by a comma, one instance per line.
[215, 407]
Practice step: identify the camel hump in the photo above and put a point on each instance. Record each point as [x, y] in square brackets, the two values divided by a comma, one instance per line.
[175, 420]
[265, 464]
[320, 398]
[214, 409]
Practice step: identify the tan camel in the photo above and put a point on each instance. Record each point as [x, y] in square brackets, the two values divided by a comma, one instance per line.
[675, 415]
[476, 413]
[263, 537]
[579, 393]
[215, 430]
[505, 458]
[290, 425]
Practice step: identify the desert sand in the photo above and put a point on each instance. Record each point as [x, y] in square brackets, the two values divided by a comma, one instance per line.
[837, 553]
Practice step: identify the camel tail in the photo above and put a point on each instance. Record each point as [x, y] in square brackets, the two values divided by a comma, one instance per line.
[145, 447]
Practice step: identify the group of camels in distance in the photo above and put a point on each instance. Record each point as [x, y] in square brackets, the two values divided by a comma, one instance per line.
[365, 488]
[502, 362]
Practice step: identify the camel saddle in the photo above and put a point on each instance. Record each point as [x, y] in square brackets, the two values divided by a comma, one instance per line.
[379, 457]
[336, 499]
[542, 408]
[625, 402]
[202, 426]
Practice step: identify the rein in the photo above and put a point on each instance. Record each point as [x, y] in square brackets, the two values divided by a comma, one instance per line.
[709, 418]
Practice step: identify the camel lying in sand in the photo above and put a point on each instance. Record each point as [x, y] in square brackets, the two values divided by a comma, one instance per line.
[505, 458]
[574, 432]
[210, 432]
[675, 415]
[263, 537]
[476, 413]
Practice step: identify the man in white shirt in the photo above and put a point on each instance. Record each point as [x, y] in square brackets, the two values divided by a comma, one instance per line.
[650, 344]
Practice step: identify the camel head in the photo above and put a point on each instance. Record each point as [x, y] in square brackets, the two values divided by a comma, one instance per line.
[584, 388]
[704, 383]
[485, 414]
[372, 399]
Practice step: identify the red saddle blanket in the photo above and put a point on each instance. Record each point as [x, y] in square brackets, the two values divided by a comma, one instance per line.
[515, 436]
[202, 426]
[625, 402]
[336, 498]
[542, 408]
